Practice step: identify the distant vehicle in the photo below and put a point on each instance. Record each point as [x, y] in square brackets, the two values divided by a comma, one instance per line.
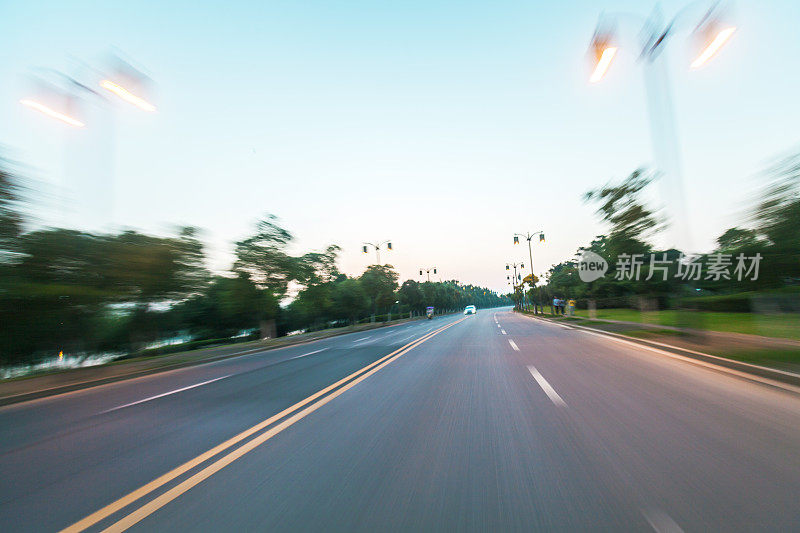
[429, 312]
[470, 310]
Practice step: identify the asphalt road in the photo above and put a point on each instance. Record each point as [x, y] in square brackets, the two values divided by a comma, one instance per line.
[486, 423]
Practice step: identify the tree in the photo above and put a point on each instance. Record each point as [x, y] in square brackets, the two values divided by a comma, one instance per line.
[736, 239]
[630, 220]
[349, 299]
[319, 267]
[11, 218]
[228, 306]
[410, 295]
[263, 257]
[379, 283]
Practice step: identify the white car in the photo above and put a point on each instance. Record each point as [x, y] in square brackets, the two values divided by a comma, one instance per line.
[470, 310]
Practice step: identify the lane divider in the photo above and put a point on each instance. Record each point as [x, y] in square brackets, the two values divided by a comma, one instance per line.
[546, 387]
[345, 383]
[165, 394]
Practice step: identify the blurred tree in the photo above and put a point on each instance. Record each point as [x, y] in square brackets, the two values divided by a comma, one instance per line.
[631, 222]
[736, 239]
[349, 299]
[263, 257]
[410, 295]
[319, 267]
[379, 283]
[11, 219]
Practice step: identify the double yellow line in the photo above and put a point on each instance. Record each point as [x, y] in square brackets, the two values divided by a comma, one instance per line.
[297, 411]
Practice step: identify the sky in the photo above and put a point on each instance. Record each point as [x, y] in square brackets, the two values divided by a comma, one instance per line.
[444, 126]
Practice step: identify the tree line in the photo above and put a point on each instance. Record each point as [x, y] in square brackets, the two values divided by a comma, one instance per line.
[770, 231]
[81, 293]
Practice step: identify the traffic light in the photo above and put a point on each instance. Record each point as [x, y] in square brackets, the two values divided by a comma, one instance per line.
[516, 239]
[420, 272]
[541, 237]
[522, 265]
[364, 248]
[389, 245]
[506, 267]
[434, 271]
[519, 277]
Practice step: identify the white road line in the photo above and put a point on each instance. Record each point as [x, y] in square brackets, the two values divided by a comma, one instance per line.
[362, 339]
[550, 391]
[405, 338]
[498, 325]
[513, 345]
[166, 394]
[305, 354]
[503, 331]
[660, 521]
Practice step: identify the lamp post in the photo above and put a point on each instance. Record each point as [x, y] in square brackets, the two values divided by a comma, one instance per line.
[517, 277]
[711, 32]
[123, 88]
[428, 271]
[377, 247]
[68, 100]
[528, 237]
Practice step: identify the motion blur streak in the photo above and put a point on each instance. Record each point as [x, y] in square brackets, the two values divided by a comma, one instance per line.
[128, 96]
[156, 504]
[712, 48]
[51, 112]
[603, 64]
[113, 507]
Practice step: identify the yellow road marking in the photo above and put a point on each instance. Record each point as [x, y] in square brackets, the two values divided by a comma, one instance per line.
[173, 493]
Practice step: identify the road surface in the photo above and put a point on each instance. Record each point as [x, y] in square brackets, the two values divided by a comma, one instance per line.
[481, 423]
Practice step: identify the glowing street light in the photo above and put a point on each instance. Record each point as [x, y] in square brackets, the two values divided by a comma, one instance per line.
[603, 63]
[713, 32]
[50, 112]
[128, 96]
[713, 47]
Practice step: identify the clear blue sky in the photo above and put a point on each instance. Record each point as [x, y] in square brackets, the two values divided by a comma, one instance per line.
[445, 126]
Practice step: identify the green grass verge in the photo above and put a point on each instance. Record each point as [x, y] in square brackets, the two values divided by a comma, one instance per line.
[785, 326]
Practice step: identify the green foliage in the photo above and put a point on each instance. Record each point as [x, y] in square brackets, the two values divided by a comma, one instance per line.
[263, 257]
[11, 219]
[631, 222]
[379, 283]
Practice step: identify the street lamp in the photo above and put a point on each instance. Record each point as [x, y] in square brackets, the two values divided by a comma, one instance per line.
[712, 33]
[517, 277]
[377, 247]
[715, 37]
[528, 237]
[428, 271]
[127, 95]
[129, 81]
[50, 112]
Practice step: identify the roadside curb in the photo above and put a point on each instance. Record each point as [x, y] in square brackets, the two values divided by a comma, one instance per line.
[88, 384]
[758, 373]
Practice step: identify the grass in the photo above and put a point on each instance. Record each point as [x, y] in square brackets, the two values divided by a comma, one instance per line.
[776, 357]
[783, 358]
[785, 326]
